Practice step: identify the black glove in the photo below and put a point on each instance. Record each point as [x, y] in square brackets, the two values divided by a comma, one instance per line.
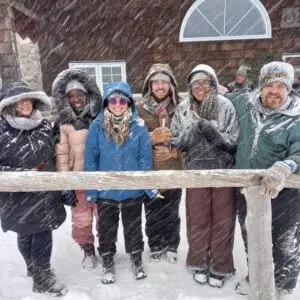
[213, 135]
[69, 198]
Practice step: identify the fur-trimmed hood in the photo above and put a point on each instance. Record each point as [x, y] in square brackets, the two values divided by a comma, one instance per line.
[93, 95]
[161, 68]
[12, 93]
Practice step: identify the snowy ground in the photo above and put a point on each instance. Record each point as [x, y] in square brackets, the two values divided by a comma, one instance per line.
[164, 281]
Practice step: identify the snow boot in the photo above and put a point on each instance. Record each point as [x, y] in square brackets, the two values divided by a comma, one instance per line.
[201, 276]
[108, 265]
[45, 281]
[216, 280]
[243, 287]
[155, 255]
[137, 265]
[89, 261]
[172, 256]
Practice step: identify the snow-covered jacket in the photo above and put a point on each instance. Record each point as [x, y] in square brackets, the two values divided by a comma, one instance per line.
[101, 154]
[28, 212]
[71, 129]
[205, 154]
[267, 136]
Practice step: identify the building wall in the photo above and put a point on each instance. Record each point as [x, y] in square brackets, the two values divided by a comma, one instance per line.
[30, 66]
[143, 32]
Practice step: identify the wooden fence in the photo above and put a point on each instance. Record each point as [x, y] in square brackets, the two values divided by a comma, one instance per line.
[258, 221]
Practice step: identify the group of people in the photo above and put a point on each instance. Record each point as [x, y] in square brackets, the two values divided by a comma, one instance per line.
[245, 130]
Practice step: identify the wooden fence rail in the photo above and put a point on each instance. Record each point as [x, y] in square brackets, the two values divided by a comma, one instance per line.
[258, 221]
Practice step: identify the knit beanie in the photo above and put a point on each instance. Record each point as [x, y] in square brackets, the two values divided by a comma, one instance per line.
[160, 76]
[241, 72]
[199, 76]
[74, 85]
[276, 71]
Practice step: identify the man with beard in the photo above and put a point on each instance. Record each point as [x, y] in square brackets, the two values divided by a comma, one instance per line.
[241, 84]
[160, 98]
[269, 139]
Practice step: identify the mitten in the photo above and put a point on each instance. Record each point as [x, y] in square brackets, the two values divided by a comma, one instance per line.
[69, 198]
[161, 135]
[213, 135]
[188, 138]
[274, 179]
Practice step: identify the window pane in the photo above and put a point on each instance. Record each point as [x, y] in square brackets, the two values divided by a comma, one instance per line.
[106, 79]
[90, 71]
[106, 70]
[116, 70]
[198, 26]
[117, 78]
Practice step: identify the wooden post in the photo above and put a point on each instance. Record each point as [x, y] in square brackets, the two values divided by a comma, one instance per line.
[260, 258]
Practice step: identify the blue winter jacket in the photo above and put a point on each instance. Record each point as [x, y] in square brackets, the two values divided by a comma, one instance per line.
[102, 154]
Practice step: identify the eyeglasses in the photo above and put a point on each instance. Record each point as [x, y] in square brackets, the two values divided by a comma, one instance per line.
[115, 100]
[201, 84]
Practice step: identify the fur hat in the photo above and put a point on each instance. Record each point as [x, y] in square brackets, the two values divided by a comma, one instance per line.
[14, 92]
[74, 85]
[276, 71]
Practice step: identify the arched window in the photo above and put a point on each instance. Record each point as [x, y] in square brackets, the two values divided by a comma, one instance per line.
[222, 20]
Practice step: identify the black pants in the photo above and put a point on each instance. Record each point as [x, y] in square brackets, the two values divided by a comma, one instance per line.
[36, 248]
[285, 235]
[108, 216]
[163, 222]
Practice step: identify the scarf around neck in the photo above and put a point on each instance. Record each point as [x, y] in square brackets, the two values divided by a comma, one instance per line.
[117, 128]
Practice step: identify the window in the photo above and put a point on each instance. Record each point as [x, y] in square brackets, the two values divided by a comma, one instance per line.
[103, 72]
[222, 20]
[293, 59]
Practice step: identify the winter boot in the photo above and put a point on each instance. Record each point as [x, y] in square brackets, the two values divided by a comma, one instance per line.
[216, 280]
[201, 276]
[243, 287]
[89, 261]
[172, 256]
[44, 281]
[137, 265]
[108, 275]
[155, 255]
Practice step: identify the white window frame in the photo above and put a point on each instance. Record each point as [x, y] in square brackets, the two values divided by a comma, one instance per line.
[285, 56]
[98, 68]
[194, 7]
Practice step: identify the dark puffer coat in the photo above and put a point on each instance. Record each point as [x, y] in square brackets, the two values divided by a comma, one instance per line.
[24, 212]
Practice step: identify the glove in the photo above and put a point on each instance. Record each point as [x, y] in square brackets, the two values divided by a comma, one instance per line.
[161, 135]
[69, 198]
[274, 179]
[162, 153]
[213, 135]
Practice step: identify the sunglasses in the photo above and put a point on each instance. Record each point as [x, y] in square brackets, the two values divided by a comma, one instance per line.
[115, 100]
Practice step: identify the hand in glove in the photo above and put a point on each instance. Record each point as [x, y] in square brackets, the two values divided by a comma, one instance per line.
[162, 153]
[69, 198]
[161, 135]
[213, 135]
[274, 179]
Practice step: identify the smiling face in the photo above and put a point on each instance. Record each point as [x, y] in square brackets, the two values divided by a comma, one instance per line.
[77, 100]
[160, 89]
[274, 95]
[24, 108]
[117, 105]
[201, 89]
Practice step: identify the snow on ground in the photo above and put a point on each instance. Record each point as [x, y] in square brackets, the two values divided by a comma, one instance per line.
[164, 281]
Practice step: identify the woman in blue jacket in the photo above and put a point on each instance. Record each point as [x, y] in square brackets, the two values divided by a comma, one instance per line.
[119, 141]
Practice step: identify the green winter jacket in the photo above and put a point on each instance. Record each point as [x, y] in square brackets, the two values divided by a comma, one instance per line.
[266, 136]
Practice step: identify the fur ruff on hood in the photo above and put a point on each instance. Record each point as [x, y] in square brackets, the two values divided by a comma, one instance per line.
[93, 95]
[161, 68]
